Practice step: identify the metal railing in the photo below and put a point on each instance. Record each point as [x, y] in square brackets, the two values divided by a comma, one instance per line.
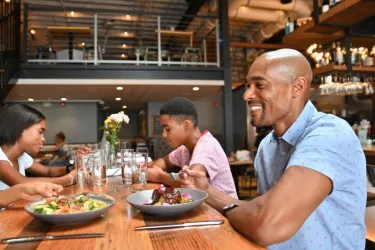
[100, 38]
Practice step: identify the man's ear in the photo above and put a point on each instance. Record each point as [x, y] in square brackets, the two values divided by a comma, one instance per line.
[299, 86]
[188, 124]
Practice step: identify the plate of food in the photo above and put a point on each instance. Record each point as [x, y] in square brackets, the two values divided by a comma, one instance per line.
[167, 201]
[70, 209]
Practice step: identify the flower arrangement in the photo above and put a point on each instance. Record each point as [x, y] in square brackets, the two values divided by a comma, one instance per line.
[112, 125]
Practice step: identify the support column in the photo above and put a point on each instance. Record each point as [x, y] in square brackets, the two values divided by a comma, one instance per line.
[223, 30]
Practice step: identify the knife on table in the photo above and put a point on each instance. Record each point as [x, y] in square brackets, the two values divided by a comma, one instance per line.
[50, 237]
[186, 224]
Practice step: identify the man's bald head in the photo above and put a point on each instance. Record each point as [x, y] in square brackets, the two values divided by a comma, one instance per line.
[278, 87]
[290, 64]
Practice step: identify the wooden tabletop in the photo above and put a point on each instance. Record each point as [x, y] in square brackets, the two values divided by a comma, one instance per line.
[369, 149]
[118, 225]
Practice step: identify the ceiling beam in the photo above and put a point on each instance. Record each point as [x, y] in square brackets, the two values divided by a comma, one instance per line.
[266, 45]
[194, 7]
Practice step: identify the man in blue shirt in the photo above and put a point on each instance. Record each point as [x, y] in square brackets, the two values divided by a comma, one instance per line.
[311, 167]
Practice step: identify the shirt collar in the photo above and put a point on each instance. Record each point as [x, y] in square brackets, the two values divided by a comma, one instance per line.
[298, 127]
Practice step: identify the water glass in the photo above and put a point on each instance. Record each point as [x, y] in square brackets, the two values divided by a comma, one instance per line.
[102, 159]
[139, 173]
[82, 169]
[127, 164]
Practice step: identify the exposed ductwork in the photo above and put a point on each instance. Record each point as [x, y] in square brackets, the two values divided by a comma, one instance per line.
[266, 31]
[300, 7]
[272, 12]
[257, 14]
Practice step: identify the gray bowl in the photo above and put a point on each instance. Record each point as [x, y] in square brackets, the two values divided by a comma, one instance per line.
[136, 200]
[68, 219]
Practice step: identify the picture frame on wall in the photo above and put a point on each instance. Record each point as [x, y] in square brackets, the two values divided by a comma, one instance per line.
[156, 128]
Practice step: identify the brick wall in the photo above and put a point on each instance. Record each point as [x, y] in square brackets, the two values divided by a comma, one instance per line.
[238, 64]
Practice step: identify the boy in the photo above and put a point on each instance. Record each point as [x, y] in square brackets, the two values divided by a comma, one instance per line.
[200, 151]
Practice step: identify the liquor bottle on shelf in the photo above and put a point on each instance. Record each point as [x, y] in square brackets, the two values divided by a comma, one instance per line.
[353, 52]
[361, 56]
[339, 55]
[333, 53]
[369, 60]
[325, 6]
[372, 54]
[326, 57]
[320, 54]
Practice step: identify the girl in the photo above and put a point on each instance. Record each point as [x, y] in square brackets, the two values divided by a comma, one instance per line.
[21, 137]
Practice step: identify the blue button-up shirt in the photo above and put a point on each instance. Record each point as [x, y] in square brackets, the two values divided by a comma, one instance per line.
[327, 144]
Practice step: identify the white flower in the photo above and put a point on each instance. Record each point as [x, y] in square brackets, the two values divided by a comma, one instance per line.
[125, 118]
[116, 117]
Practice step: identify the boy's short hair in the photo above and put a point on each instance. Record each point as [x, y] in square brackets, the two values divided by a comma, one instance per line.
[182, 109]
[14, 119]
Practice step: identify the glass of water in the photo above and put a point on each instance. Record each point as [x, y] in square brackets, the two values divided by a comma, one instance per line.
[80, 165]
[102, 159]
[127, 164]
[139, 173]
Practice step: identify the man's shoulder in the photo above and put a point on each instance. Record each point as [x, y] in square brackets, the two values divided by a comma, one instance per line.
[329, 131]
[328, 125]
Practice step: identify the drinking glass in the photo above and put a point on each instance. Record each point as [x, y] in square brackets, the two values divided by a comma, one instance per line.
[102, 159]
[139, 173]
[127, 164]
[122, 146]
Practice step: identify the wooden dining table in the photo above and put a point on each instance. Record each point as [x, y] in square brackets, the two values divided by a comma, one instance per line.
[118, 224]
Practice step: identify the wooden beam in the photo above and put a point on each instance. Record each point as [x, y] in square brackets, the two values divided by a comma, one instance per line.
[266, 45]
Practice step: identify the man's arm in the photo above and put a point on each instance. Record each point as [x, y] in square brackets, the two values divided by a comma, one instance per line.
[278, 214]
